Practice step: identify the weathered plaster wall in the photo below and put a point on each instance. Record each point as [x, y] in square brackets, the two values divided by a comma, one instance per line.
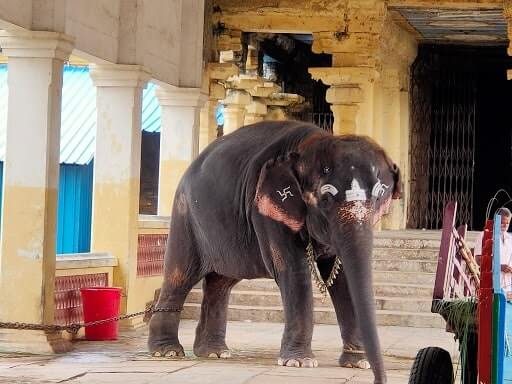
[16, 12]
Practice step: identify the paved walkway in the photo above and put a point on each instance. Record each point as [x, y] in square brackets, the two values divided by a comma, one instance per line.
[254, 347]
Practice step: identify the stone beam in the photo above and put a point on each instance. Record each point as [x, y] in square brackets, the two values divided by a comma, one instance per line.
[300, 23]
[265, 89]
[245, 82]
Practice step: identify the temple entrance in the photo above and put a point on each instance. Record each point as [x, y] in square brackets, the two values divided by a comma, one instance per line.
[461, 138]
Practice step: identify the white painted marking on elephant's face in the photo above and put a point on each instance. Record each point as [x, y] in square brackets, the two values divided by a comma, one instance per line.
[379, 189]
[355, 193]
[328, 188]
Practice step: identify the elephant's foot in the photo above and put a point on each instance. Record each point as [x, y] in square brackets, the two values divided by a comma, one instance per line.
[353, 358]
[170, 350]
[216, 352]
[306, 362]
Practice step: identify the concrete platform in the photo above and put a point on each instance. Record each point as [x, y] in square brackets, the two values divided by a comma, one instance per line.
[254, 346]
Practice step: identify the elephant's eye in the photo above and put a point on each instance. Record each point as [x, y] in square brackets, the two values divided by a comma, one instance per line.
[326, 170]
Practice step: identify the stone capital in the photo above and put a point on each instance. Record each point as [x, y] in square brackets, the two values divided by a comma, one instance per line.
[180, 97]
[216, 91]
[284, 99]
[32, 44]
[119, 75]
[344, 75]
[222, 71]
[256, 107]
[344, 95]
[237, 97]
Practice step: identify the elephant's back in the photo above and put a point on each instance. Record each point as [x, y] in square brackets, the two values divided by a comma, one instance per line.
[225, 172]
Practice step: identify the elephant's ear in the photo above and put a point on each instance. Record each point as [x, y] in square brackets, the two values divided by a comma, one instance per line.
[278, 194]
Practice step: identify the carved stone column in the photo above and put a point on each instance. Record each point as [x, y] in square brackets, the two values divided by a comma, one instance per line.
[217, 74]
[234, 109]
[255, 111]
[346, 96]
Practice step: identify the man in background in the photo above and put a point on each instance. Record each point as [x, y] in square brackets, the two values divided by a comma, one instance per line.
[505, 250]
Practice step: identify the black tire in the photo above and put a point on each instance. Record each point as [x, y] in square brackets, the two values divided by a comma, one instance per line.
[432, 365]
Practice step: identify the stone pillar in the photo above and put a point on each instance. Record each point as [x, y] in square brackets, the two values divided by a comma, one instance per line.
[208, 123]
[397, 52]
[255, 112]
[391, 138]
[234, 109]
[31, 174]
[117, 168]
[346, 97]
[216, 74]
[406, 142]
[179, 139]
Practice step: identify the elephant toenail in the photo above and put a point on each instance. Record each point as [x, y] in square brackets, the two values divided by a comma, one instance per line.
[309, 363]
[225, 355]
[280, 362]
[157, 354]
[213, 354]
[293, 363]
[363, 364]
[171, 354]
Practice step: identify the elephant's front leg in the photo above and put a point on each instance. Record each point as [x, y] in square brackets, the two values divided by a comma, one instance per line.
[295, 286]
[353, 355]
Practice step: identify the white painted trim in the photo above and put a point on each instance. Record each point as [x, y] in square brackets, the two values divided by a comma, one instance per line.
[85, 260]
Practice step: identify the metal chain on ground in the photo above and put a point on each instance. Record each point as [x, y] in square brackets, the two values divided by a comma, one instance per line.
[322, 286]
[75, 327]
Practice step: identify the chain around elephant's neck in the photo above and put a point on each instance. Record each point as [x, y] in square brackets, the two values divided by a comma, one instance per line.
[322, 286]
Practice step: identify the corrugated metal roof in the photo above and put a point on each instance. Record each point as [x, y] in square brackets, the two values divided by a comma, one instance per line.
[78, 116]
[469, 26]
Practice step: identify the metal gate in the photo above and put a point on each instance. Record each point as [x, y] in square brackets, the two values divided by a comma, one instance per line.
[443, 114]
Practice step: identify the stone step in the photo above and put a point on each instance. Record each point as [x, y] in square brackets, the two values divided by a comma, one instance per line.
[406, 243]
[422, 278]
[425, 254]
[381, 288]
[405, 265]
[273, 299]
[322, 315]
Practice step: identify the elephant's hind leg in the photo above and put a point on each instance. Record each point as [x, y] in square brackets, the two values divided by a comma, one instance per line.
[210, 338]
[182, 272]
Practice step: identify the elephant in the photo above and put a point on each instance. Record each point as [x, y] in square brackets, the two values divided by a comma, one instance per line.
[249, 206]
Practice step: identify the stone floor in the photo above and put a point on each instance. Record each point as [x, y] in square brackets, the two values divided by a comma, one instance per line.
[254, 348]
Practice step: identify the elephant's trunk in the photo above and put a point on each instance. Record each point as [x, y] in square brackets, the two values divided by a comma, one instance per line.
[354, 246]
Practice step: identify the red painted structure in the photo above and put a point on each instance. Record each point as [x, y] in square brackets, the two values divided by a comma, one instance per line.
[485, 308]
[68, 302]
[150, 254]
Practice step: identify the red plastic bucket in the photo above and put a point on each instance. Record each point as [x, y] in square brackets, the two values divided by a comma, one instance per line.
[101, 303]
